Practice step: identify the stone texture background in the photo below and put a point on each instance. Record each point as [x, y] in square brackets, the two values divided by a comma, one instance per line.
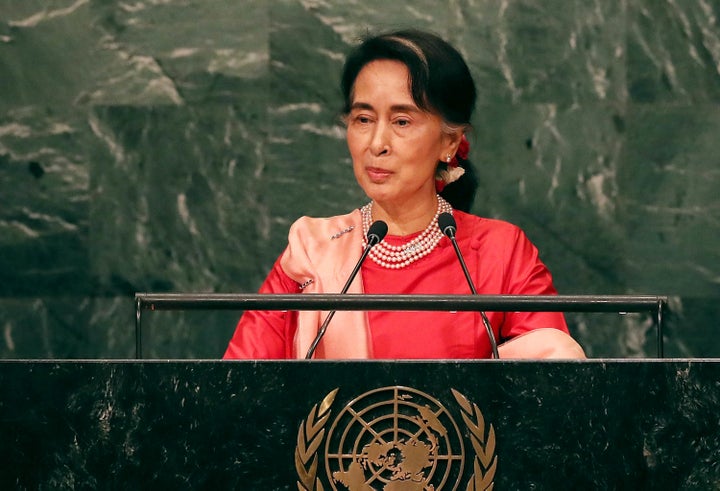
[167, 145]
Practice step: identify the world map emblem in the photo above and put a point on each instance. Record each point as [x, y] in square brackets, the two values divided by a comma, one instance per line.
[394, 439]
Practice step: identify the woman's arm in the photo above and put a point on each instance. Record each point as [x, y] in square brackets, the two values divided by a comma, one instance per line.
[539, 335]
[266, 334]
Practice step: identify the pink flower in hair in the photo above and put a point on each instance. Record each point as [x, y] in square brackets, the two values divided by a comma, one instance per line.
[462, 151]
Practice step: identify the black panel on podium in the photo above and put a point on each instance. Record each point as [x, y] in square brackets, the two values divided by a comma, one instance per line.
[272, 425]
[363, 425]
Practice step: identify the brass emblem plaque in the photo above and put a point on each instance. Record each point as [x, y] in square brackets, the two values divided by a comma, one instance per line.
[395, 439]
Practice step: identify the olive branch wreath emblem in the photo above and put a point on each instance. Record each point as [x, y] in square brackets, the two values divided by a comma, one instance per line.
[485, 463]
[310, 436]
[312, 431]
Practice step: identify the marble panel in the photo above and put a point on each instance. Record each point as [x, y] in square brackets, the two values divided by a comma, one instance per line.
[44, 203]
[175, 198]
[559, 51]
[552, 171]
[172, 335]
[52, 54]
[669, 206]
[67, 327]
[673, 51]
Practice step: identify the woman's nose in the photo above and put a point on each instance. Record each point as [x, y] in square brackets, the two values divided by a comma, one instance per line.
[380, 144]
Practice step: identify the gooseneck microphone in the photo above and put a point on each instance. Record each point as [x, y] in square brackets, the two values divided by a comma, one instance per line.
[376, 233]
[447, 225]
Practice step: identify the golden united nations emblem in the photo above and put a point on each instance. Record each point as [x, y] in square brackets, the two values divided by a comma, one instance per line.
[394, 439]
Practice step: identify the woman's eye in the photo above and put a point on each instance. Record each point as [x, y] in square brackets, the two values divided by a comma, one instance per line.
[402, 122]
[362, 119]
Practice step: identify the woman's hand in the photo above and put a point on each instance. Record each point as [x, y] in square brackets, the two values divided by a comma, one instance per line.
[546, 343]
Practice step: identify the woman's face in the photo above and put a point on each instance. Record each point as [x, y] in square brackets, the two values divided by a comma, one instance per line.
[395, 145]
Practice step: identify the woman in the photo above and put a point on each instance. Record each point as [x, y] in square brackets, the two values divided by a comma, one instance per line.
[409, 97]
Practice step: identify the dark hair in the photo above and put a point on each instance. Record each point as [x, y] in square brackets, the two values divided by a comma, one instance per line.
[440, 82]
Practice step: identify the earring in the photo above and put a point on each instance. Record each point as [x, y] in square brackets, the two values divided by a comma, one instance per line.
[448, 158]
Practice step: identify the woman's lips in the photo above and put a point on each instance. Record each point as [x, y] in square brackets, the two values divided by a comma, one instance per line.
[377, 174]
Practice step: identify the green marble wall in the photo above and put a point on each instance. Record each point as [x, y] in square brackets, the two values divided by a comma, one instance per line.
[166, 146]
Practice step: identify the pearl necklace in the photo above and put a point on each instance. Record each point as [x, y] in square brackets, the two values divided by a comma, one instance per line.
[396, 257]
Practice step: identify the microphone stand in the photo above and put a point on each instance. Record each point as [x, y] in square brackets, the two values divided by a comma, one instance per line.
[448, 228]
[376, 233]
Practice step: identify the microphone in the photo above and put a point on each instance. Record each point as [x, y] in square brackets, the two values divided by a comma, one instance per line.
[376, 233]
[447, 225]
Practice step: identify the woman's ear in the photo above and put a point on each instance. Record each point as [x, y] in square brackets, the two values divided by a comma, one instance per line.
[452, 142]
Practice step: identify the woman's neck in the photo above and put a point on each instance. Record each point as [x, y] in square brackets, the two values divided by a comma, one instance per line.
[406, 218]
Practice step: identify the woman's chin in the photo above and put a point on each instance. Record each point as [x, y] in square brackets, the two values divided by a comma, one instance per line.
[380, 194]
[374, 190]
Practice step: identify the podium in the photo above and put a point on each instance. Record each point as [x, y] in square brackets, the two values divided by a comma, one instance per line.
[363, 425]
[289, 425]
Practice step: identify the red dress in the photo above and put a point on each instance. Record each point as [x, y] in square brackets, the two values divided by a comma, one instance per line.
[501, 260]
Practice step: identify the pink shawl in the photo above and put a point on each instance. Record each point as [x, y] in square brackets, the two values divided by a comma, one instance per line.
[322, 253]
